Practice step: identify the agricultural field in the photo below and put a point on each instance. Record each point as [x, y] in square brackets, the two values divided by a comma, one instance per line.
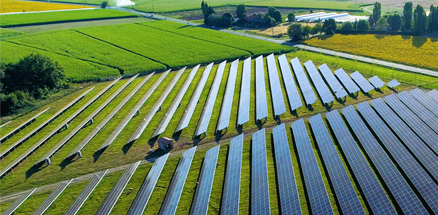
[8, 33]
[412, 50]
[10, 6]
[8, 20]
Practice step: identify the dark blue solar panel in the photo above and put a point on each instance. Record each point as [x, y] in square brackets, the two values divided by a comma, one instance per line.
[261, 103]
[287, 187]
[422, 112]
[425, 101]
[362, 82]
[275, 86]
[259, 175]
[227, 103]
[347, 81]
[394, 180]
[318, 198]
[340, 181]
[303, 82]
[433, 94]
[424, 184]
[245, 92]
[376, 82]
[321, 87]
[334, 84]
[289, 83]
[374, 194]
[393, 84]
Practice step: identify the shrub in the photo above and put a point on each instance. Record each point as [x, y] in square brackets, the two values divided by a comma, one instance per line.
[347, 26]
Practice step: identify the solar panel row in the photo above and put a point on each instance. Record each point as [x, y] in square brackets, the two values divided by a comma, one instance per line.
[433, 94]
[52, 197]
[405, 197]
[211, 99]
[19, 201]
[362, 82]
[303, 82]
[315, 188]
[227, 103]
[245, 92]
[259, 175]
[334, 84]
[425, 101]
[261, 103]
[274, 83]
[188, 113]
[370, 186]
[321, 87]
[348, 83]
[146, 189]
[293, 96]
[231, 190]
[203, 189]
[176, 186]
[287, 187]
[4, 124]
[376, 82]
[393, 84]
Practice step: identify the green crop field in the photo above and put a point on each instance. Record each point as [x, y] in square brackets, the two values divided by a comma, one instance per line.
[61, 16]
[9, 33]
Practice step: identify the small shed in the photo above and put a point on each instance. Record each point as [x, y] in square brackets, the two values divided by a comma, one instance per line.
[165, 143]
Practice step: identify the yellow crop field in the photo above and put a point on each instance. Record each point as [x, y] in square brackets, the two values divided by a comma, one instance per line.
[416, 51]
[8, 6]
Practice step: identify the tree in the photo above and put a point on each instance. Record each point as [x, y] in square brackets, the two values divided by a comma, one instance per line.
[395, 21]
[207, 11]
[291, 17]
[295, 32]
[407, 16]
[226, 20]
[276, 14]
[347, 26]
[329, 26]
[382, 24]
[377, 12]
[433, 19]
[306, 31]
[241, 11]
[363, 25]
[316, 29]
[104, 4]
[371, 19]
[420, 20]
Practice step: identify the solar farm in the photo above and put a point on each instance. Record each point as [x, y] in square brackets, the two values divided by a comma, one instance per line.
[248, 139]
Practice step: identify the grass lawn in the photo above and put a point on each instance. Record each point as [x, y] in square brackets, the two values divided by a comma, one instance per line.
[8, 6]
[61, 16]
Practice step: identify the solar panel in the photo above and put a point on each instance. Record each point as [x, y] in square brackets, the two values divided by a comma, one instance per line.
[231, 190]
[424, 184]
[52, 197]
[433, 94]
[422, 112]
[287, 187]
[425, 101]
[227, 103]
[155, 108]
[261, 102]
[405, 197]
[245, 93]
[331, 80]
[114, 195]
[176, 186]
[374, 194]
[4, 124]
[393, 84]
[18, 128]
[259, 175]
[211, 99]
[318, 198]
[418, 148]
[361, 81]
[376, 82]
[19, 201]
[146, 189]
[289, 83]
[203, 190]
[321, 87]
[348, 83]
[188, 113]
[340, 181]
[303, 82]
[175, 103]
[86, 192]
[275, 86]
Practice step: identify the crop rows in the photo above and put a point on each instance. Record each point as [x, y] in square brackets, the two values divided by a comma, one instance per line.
[8, 6]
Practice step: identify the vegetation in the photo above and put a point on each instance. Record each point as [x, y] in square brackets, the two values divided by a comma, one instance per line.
[347, 26]
[395, 21]
[407, 16]
[60, 16]
[291, 17]
[295, 32]
[329, 26]
[9, 33]
[104, 4]
[377, 13]
[420, 20]
[363, 25]
[382, 24]
[276, 14]
[433, 19]
[10, 6]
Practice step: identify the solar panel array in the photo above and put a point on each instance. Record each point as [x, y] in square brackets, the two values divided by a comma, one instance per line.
[275, 86]
[321, 87]
[227, 103]
[287, 187]
[114, 195]
[405, 197]
[425, 101]
[188, 113]
[211, 99]
[19, 201]
[347, 81]
[303, 82]
[424, 184]
[86, 192]
[340, 181]
[331, 80]
[245, 93]
[21, 126]
[362, 82]
[175, 189]
[203, 189]
[261, 103]
[393, 84]
[318, 198]
[231, 190]
[155, 108]
[293, 96]
[374, 194]
[146, 189]
[52, 197]
[433, 94]
[376, 82]
[259, 175]
[422, 112]
[175, 103]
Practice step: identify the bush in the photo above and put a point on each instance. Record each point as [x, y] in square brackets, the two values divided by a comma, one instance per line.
[347, 26]
[104, 4]
[363, 25]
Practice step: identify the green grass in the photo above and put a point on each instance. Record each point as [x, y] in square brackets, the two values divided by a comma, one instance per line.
[9, 33]
[61, 16]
